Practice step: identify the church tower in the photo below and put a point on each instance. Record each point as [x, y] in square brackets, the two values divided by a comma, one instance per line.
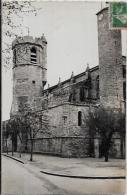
[110, 62]
[29, 69]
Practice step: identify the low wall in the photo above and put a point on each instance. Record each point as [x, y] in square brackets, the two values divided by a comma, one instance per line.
[62, 146]
[75, 146]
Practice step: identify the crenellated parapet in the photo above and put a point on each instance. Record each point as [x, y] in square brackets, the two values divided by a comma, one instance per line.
[41, 41]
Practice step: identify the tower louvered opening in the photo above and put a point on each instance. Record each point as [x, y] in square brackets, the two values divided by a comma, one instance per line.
[33, 55]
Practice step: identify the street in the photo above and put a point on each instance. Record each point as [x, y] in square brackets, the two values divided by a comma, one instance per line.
[27, 179]
[17, 179]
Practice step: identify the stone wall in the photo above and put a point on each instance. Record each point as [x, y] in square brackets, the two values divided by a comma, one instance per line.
[27, 82]
[110, 62]
[94, 76]
[62, 146]
[63, 119]
[75, 146]
[29, 69]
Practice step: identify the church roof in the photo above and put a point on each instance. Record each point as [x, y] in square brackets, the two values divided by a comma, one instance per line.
[80, 75]
[75, 77]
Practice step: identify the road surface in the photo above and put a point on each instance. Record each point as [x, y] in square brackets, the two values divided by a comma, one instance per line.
[18, 178]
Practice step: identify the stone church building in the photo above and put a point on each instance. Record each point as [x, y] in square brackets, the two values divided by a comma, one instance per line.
[67, 103]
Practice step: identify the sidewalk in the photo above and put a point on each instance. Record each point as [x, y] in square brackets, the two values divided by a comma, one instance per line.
[74, 167]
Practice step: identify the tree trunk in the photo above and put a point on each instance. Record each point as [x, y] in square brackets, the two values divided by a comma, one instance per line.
[122, 146]
[107, 146]
[6, 147]
[106, 157]
[12, 149]
[31, 152]
[107, 151]
[20, 151]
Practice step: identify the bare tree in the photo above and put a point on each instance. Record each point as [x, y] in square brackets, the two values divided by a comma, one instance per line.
[11, 128]
[13, 13]
[105, 122]
[20, 130]
[33, 122]
[5, 135]
[15, 129]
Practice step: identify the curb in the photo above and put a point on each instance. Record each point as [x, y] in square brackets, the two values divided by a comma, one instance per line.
[83, 177]
[13, 158]
[70, 176]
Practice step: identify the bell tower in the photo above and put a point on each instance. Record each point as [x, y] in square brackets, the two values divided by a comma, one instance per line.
[29, 69]
[110, 62]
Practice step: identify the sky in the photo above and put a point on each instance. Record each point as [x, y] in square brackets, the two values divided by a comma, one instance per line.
[71, 32]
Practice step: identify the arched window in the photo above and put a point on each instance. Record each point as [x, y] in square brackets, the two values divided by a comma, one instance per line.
[79, 118]
[33, 55]
[97, 87]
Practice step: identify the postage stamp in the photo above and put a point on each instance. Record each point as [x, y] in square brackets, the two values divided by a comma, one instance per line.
[118, 15]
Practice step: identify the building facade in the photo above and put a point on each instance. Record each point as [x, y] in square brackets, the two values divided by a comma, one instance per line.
[67, 103]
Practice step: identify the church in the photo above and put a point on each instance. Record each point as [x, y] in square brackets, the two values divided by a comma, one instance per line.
[67, 103]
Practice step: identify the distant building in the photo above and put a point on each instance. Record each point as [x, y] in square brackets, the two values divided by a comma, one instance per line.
[67, 102]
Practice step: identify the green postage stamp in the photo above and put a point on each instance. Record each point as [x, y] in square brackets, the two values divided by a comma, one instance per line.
[118, 15]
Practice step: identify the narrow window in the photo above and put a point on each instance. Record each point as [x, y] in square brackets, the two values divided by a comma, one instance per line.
[14, 56]
[33, 55]
[124, 90]
[74, 95]
[97, 87]
[82, 94]
[79, 118]
[124, 73]
[40, 121]
[65, 119]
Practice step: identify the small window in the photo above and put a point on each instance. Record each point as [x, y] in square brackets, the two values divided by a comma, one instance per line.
[40, 120]
[74, 95]
[124, 90]
[79, 118]
[82, 94]
[124, 73]
[14, 56]
[33, 55]
[65, 119]
[33, 82]
[97, 87]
